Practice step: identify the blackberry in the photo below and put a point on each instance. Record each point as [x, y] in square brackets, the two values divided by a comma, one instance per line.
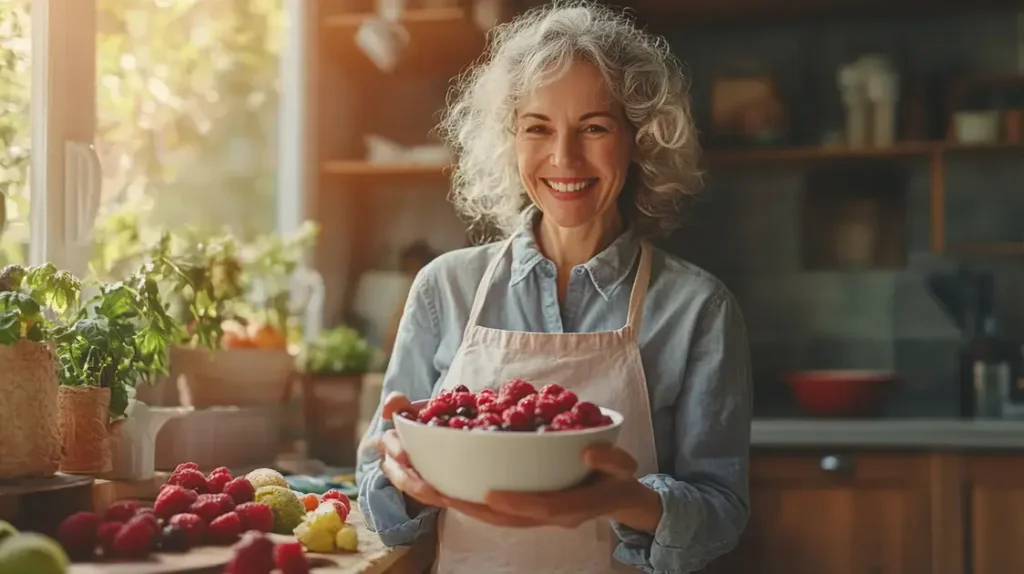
[468, 412]
[173, 539]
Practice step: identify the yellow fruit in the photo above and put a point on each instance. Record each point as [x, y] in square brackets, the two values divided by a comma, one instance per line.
[266, 477]
[346, 539]
[325, 517]
[286, 506]
[315, 540]
[35, 553]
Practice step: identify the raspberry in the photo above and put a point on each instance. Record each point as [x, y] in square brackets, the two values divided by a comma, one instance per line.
[207, 509]
[254, 554]
[121, 511]
[340, 507]
[225, 529]
[564, 421]
[240, 490]
[334, 494]
[186, 466]
[189, 478]
[548, 408]
[566, 400]
[173, 499]
[105, 536]
[460, 389]
[487, 421]
[499, 406]
[459, 423]
[291, 558]
[77, 534]
[174, 539]
[136, 538]
[517, 419]
[528, 403]
[464, 400]
[221, 470]
[442, 404]
[551, 390]
[587, 414]
[310, 501]
[193, 526]
[605, 421]
[516, 389]
[215, 482]
[255, 516]
[438, 422]
[486, 393]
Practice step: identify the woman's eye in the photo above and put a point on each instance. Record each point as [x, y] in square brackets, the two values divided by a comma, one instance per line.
[595, 129]
[535, 130]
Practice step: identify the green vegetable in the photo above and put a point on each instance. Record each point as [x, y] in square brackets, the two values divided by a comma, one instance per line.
[338, 351]
[24, 295]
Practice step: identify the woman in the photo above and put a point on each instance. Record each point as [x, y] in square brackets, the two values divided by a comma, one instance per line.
[575, 139]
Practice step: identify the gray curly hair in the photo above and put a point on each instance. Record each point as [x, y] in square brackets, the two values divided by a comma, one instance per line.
[537, 46]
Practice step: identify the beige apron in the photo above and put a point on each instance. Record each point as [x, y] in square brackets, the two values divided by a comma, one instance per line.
[603, 368]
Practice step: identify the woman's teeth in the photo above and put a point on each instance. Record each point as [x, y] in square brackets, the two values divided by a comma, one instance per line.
[570, 186]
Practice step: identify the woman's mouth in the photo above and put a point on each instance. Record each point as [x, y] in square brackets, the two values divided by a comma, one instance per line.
[569, 186]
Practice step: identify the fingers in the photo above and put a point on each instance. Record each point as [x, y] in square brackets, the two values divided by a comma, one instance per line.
[391, 445]
[610, 460]
[409, 482]
[394, 403]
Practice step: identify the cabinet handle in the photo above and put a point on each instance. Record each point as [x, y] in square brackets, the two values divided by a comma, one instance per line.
[836, 463]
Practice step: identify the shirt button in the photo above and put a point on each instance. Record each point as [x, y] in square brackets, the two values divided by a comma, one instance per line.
[579, 271]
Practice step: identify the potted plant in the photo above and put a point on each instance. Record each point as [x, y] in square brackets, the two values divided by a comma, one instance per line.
[332, 366]
[118, 339]
[29, 427]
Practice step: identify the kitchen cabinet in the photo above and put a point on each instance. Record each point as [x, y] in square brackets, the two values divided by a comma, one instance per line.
[841, 513]
[993, 529]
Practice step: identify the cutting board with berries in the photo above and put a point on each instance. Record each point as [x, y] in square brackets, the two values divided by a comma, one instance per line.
[218, 523]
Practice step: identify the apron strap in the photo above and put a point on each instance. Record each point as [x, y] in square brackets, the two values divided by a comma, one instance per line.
[485, 284]
[635, 318]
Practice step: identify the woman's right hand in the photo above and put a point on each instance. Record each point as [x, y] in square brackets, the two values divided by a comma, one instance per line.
[395, 464]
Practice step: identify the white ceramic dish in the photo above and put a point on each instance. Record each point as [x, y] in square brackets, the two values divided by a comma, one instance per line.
[467, 464]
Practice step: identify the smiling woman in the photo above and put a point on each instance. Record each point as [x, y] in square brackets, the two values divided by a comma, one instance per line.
[575, 140]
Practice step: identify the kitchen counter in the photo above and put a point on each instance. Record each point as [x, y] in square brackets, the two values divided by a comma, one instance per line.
[929, 434]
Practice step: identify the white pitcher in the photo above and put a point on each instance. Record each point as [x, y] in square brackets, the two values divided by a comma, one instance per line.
[133, 440]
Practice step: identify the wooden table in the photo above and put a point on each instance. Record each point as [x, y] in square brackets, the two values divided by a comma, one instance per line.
[373, 556]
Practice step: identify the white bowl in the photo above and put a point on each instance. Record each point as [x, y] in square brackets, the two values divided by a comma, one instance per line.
[467, 464]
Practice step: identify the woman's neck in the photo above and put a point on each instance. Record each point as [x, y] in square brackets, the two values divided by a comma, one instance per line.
[569, 247]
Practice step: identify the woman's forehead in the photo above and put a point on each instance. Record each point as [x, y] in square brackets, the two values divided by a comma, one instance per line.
[581, 87]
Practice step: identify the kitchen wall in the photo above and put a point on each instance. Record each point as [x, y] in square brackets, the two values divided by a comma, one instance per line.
[747, 228]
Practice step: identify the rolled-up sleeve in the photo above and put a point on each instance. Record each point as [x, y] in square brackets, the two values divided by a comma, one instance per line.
[705, 501]
[410, 370]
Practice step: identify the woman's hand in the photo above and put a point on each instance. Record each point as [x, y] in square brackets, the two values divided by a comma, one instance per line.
[395, 464]
[612, 492]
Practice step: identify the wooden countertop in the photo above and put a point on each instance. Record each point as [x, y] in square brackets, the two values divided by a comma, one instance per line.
[373, 556]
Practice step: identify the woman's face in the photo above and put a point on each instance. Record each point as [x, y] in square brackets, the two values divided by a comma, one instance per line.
[574, 145]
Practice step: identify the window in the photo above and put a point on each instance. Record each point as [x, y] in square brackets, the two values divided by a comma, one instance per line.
[165, 113]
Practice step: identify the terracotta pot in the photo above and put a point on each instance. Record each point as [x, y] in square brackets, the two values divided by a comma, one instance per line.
[331, 409]
[85, 429]
[29, 431]
[232, 377]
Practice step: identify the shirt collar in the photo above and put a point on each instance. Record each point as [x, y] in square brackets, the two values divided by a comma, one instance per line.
[606, 269]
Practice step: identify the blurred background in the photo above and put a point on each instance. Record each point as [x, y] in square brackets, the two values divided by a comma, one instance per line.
[865, 203]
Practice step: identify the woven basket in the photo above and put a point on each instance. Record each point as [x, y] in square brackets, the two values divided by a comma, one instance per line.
[232, 377]
[85, 429]
[29, 431]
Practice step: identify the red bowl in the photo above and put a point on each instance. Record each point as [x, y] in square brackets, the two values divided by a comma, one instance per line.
[840, 393]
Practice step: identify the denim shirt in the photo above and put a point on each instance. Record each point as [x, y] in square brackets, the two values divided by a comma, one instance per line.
[694, 351]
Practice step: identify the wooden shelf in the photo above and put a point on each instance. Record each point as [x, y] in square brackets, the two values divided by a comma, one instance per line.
[444, 39]
[909, 149]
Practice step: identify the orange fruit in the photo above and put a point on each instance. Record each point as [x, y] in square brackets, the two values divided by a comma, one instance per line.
[267, 337]
[310, 501]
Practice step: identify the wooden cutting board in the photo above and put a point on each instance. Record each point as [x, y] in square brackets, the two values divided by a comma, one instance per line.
[372, 558]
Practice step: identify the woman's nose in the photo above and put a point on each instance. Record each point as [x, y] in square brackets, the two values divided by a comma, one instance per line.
[566, 152]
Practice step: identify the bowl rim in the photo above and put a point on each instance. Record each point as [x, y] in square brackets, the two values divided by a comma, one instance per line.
[616, 417]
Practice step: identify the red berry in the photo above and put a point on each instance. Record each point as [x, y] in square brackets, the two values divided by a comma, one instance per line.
[606, 420]
[334, 494]
[551, 390]
[137, 537]
[341, 508]
[587, 414]
[548, 408]
[186, 466]
[517, 419]
[189, 478]
[487, 420]
[193, 526]
[121, 511]
[516, 389]
[464, 400]
[77, 534]
[105, 535]
[173, 499]
[460, 423]
[486, 393]
[254, 554]
[255, 516]
[438, 422]
[215, 482]
[566, 400]
[207, 509]
[225, 529]
[460, 389]
[221, 470]
[563, 422]
[240, 490]
[528, 403]
[291, 558]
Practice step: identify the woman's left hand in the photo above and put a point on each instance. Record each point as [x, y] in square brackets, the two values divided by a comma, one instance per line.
[611, 491]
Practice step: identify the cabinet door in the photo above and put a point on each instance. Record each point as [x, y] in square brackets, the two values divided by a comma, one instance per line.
[994, 487]
[836, 513]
